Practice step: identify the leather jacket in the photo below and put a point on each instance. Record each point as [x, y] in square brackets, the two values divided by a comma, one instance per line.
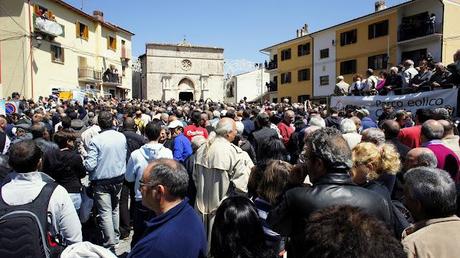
[290, 216]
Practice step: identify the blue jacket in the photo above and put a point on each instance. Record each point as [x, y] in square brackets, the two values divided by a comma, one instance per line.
[139, 160]
[182, 148]
[106, 156]
[367, 122]
[178, 233]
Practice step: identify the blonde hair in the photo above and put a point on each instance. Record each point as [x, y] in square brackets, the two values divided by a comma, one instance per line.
[383, 158]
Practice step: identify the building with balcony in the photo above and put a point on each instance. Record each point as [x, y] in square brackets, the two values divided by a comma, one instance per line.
[49, 44]
[413, 30]
[290, 69]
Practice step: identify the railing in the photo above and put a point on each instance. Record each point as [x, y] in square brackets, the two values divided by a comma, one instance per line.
[89, 74]
[413, 30]
[112, 78]
[271, 86]
[273, 64]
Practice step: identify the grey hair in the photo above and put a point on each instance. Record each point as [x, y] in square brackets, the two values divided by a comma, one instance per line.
[328, 145]
[223, 127]
[432, 130]
[374, 135]
[172, 175]
[434, 189]
[348, 126]
[317, 121]
[427, 159]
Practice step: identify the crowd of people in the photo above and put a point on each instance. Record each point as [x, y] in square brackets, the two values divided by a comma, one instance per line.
[207, 179]
[403, 79]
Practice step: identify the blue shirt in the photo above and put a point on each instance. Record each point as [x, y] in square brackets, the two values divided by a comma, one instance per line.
[182, 148]
[106, 155]
[178, 233]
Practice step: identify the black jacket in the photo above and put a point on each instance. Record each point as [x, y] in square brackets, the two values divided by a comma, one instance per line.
[134, 142]
[261, 135]
[289, 217]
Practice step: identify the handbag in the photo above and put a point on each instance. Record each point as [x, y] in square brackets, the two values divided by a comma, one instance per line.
[86, 206]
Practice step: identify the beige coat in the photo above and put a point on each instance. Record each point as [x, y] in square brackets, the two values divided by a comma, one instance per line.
[221, 169]
[433, 238]
[452, 142]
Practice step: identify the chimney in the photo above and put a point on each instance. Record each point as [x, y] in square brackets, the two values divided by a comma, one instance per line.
[99, 15]
[380, 5]
[298, 33]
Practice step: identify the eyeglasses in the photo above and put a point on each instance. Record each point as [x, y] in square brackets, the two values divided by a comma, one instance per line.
[142, 184]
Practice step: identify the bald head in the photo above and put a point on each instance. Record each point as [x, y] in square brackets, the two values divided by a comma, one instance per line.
[432, 130]
[226, 127]
[420, 157]
[391, 129]
[448, 127]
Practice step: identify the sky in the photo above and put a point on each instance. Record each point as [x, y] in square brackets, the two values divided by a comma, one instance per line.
[241, 27]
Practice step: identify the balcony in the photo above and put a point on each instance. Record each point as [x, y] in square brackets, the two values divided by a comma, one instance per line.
[418, 27]
[271, 86]
[89, 75]
[110, 78]
[272, 65]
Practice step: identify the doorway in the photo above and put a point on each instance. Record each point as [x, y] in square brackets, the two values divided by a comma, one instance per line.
[185, 96]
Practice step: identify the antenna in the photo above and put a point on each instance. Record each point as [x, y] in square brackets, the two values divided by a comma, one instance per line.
[81, 5]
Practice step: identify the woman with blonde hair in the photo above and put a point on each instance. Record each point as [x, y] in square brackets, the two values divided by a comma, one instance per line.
[375, 167]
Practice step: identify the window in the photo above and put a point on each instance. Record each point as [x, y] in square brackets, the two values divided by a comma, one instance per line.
[303, 98]
[57, 54]
[285, 54]
[348, 67]
[324, 80]
[112, 43]
[324, 53]
[377, 62]
[286, 78]
[348, 37]
[303, 75]
[82, 31]
[303, 49]
[378, 29]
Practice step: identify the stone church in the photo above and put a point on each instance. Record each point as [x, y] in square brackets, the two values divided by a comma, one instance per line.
[182, 72]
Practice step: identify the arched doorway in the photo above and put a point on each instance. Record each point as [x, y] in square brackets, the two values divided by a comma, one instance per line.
[186, 89]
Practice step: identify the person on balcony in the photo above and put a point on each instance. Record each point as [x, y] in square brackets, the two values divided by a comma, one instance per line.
[422, 79]
[454, 68]
[431, 24]
[356, 87]
[408, 73]
[370, 83]
[441, 78]
[393, 82]
[341, 88]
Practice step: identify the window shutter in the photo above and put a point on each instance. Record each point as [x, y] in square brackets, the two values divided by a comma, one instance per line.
[77, 29]
[86, 32]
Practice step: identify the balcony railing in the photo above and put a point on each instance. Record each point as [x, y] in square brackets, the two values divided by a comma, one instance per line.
[112, 78]
[417, 29]
[89, 74]
[273, 64]
[271, 86]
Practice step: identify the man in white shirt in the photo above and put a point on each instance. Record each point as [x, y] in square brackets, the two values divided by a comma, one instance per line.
[408, 73]
[26, 184]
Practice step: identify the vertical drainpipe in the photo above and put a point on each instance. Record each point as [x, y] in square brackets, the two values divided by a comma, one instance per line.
[312, 76]
[442, 27]
[31, 51]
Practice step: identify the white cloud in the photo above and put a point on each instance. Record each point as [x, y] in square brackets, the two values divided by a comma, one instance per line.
[237, 66]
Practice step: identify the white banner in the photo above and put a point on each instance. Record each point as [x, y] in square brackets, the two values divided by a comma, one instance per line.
[410, 102]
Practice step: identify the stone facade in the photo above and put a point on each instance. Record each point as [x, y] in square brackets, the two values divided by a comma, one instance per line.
[183, 72]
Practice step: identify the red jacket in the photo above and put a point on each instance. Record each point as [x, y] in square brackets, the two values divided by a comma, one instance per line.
[410, 136]
[285, 131]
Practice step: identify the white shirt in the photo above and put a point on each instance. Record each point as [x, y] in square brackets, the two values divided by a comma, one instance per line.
[25, 187]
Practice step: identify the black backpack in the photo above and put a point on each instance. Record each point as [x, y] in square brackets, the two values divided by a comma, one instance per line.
[24, 228]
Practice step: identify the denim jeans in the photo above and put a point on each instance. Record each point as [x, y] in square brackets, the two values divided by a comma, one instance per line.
[106, 199]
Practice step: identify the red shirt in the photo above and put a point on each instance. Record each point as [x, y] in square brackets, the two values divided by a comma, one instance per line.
[285, 131]
[191, 131]
[410, 136]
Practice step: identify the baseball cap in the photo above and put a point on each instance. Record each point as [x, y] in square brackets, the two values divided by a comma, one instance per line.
[174, 124]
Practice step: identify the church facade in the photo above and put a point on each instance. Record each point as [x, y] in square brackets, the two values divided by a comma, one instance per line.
[182, 72]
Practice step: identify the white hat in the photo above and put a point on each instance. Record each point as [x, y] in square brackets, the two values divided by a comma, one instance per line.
[174, 124]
